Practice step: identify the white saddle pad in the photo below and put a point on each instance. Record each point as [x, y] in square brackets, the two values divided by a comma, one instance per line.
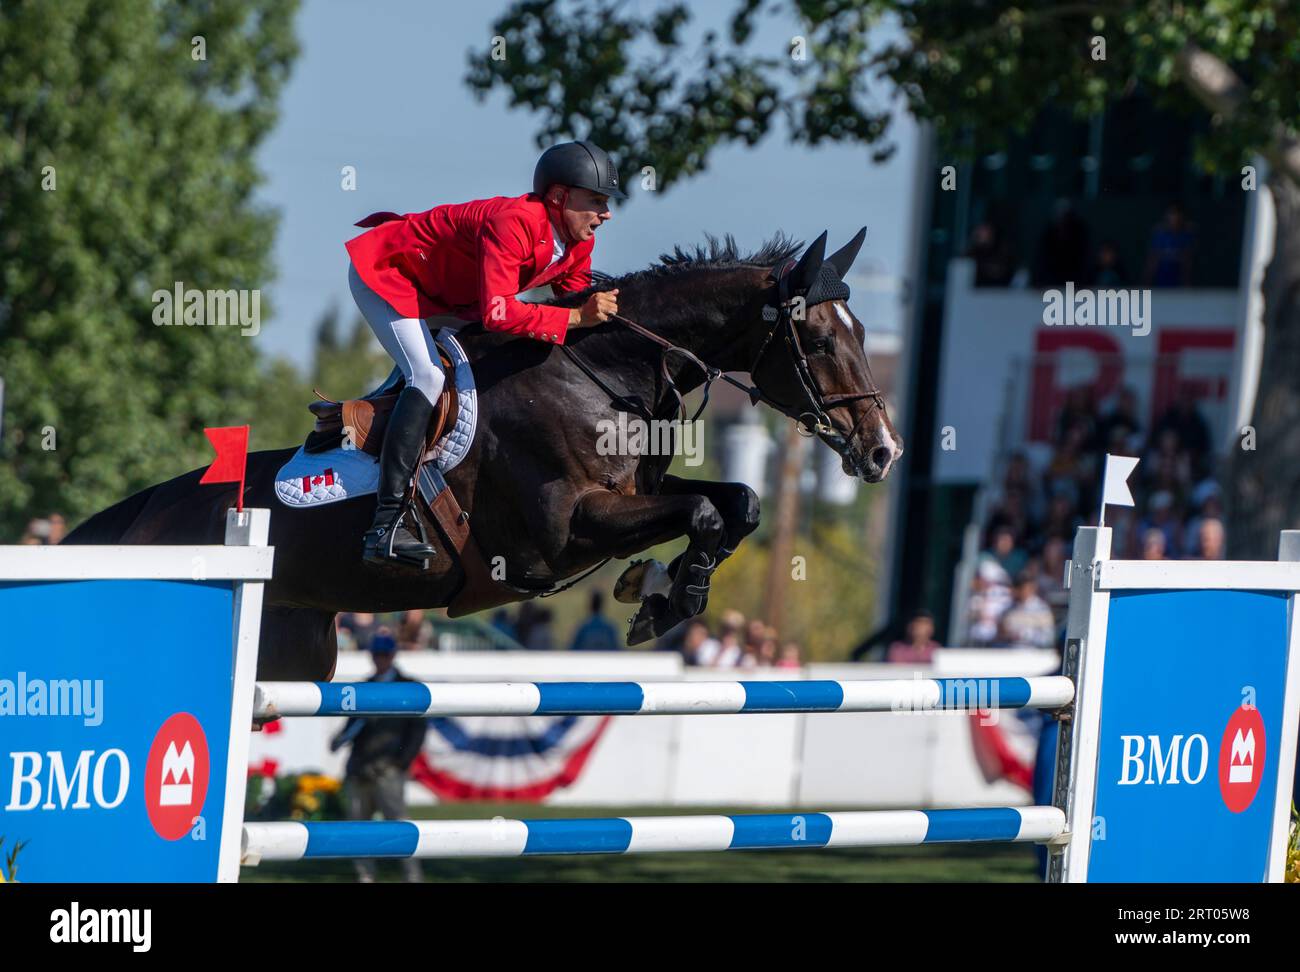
[319, 478]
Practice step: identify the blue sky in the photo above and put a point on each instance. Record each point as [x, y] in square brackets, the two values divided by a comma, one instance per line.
[381, 87]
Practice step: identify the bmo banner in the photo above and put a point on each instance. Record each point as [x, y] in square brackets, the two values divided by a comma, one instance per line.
[1013, 359]
[1191, 735]
[115, 722]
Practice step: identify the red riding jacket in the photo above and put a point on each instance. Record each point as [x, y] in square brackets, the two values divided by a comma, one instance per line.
[460, 259]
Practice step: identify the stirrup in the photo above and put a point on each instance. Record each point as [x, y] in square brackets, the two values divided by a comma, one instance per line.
[378, 544]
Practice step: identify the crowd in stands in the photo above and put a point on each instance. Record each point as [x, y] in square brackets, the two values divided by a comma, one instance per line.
[1065, 254]
[1017, 595]
[736, 643]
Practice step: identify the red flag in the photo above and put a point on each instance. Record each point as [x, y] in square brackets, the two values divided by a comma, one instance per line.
[232, 458]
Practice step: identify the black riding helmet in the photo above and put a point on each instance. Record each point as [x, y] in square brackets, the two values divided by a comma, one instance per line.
[581, 164]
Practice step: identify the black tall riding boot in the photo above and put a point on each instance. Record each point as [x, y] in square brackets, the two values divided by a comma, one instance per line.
[388, 540]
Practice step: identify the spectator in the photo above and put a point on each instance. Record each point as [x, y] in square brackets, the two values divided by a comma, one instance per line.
[1210, 539]
[697, 643]
[1018, 477]
[990, 596]
[1110, 272]
[38, 532]
[1167, 467]
[1119, 426]
[526, 618]
[1051, 579]
[540, 636]
[1207, 501]
[995, 260]
[791, 655]
[1169, 259]
[380, 761]
[357, 627]
[725, 651]
[1073, 467]
[502, 623]
[1153, 544]
[1028, 621]
[1062, 521]
[1184, 419]
[596, 633]
[414, 632]
[1003, 549]
[1077, 414]
[1124, 532]
[1062, 254]
[918, 648]
[1161, 518]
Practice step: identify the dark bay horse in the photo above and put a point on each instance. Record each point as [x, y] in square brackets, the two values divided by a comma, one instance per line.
[540, 494]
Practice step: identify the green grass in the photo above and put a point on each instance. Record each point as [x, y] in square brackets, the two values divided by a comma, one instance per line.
[933, 864]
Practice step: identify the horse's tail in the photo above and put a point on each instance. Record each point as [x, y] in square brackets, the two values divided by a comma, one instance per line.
[110, 525]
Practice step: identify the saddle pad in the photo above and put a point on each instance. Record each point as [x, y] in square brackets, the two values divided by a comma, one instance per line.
[319, 478]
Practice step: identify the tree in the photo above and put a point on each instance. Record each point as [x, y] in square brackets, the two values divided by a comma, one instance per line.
[977, 72]
[127, 140]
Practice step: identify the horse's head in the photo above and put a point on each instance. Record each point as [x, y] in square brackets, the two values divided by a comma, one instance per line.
[811, 362]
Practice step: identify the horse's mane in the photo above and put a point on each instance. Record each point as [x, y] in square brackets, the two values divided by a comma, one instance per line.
[714, 254]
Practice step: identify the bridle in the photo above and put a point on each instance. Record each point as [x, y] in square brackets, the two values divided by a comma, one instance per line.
[816, 403]
[811, 416]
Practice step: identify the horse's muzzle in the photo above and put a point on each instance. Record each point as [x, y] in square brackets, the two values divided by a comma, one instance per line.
[873, 455]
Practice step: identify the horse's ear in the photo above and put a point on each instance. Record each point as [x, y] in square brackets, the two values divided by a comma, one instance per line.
[843, 259]
[804, 274]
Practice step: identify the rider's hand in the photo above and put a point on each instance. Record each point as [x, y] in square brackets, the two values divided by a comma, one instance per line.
[596, 310]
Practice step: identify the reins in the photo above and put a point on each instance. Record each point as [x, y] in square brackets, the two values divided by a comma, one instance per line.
[782, 320]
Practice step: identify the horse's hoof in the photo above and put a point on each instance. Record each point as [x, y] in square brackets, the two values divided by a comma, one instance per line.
[642, 578]
[646, 624]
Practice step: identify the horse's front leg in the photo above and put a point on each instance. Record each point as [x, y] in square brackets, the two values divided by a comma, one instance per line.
[735, 502]
[618, 525]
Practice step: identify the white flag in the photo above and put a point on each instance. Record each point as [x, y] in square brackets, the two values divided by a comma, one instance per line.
[1115, 489]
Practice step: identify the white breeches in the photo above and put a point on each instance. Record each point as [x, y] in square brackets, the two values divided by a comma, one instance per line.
[409, 340]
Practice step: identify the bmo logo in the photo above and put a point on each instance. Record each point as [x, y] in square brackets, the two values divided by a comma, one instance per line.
[1241, 758]
[176, 776]
[1152, 760]
[1180, 759]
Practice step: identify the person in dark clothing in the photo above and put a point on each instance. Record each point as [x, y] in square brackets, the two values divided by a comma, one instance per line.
[1109, 271]
[995, 261]
[1062, 254]
[596, 633]
[381, 757]
[1184, 418]
[1119, 425]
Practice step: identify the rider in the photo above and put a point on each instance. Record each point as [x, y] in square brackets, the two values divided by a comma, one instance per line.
[413, 274]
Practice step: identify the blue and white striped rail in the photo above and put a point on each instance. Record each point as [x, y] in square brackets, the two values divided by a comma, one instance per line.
[657, 698]
[644, 835]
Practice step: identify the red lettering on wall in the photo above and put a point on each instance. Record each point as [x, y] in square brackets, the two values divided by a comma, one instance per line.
[1047, 395]
[1169, 380]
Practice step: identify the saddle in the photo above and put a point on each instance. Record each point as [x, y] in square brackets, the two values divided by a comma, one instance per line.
[363, 420]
